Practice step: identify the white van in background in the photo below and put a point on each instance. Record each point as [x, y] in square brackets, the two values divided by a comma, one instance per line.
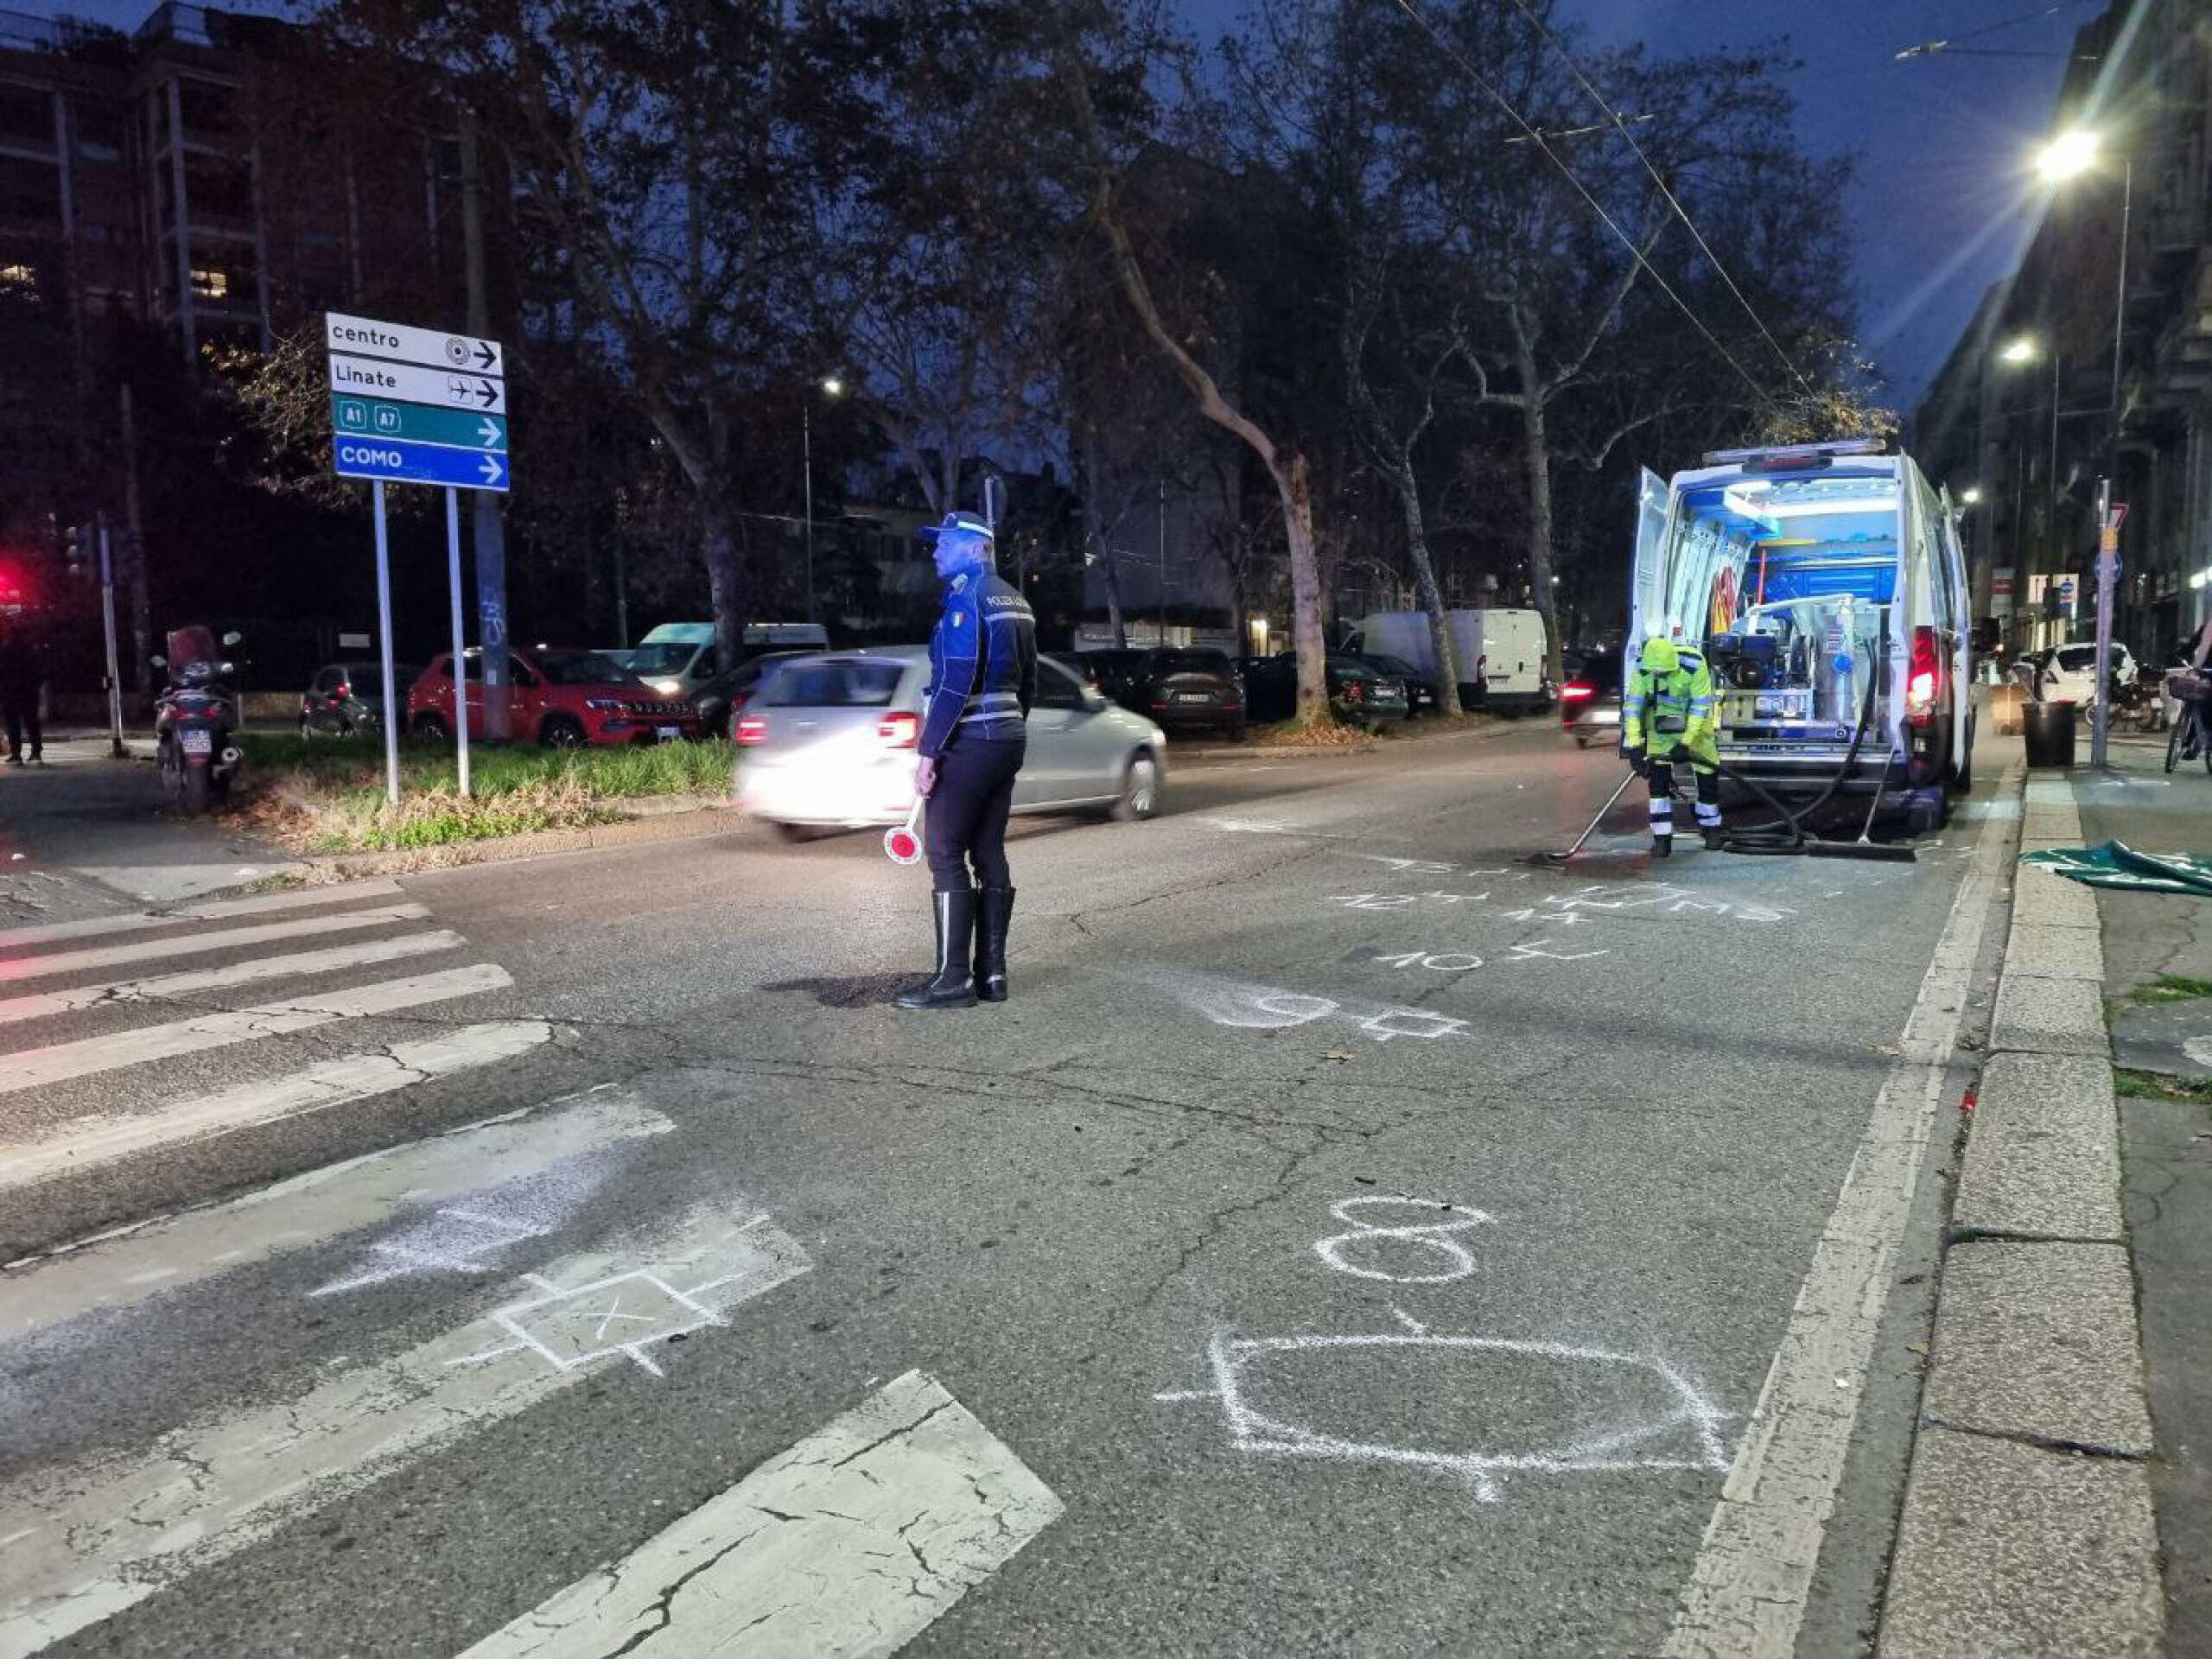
[677, 658]
[1501, 652]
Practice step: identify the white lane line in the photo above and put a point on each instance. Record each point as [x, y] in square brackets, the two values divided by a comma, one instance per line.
[34, 1068]
[122, 1270]
[1748, 1588]
[84, 1146]
[86, 1541]
[852, 1542]
[17, 1008]
[195, 945]
[137, 920]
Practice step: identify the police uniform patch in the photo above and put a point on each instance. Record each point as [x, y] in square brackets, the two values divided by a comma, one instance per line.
[957, 619]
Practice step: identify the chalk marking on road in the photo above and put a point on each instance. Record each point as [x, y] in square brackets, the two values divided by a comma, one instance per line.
[33, 1068]
[853, 1541]
[195, 945]
[1436, 1236]
[1262, 1008]
[14, 1009]
[136, 920]
[1687, 1416]
[109, 1534]
[332, 1083]
[1748, 1588]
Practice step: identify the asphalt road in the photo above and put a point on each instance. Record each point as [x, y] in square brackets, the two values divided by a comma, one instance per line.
[1351, 1239]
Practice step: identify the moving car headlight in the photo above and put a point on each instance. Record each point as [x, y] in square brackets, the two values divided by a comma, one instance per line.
[667, 688]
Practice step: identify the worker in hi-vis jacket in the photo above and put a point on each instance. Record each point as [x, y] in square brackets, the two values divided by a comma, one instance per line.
[1667, 708]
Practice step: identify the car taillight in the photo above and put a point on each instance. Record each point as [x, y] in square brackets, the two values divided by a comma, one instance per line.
[1921, 680]
[342, 693]
[1575, 690]
[899, 731]
[752, 730]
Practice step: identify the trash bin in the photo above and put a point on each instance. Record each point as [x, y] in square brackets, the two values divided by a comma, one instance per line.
[2049, 727]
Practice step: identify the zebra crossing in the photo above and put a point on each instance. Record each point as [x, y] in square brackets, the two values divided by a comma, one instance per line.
[480, 1222]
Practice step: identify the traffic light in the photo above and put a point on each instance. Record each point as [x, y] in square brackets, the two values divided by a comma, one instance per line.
[77, 552]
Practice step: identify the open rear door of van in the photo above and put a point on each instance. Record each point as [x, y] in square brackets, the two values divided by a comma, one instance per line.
[1647, 597]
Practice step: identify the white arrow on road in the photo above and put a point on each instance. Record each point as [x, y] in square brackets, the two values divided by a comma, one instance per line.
[491, 469]
[490, 428]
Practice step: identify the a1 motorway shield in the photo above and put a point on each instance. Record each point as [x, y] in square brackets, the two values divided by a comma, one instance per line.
[418, 422]
[395, 459]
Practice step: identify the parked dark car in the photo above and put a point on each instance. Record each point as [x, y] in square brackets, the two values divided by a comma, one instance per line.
[1421, 698]
[1589, 702]
[1178, 689]
[721, 698]
[347, 699]
[1358, 695]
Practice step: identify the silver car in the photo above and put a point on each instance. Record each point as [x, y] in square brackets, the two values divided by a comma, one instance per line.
[828, 741]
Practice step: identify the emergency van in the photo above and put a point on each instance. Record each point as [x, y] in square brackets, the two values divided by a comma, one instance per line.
[1826, 586]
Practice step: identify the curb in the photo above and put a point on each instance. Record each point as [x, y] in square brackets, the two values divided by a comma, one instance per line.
[2028, 1525]
[1473, 732]
[682, 820]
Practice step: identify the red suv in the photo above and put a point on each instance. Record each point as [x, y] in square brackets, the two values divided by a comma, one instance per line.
[564, 698]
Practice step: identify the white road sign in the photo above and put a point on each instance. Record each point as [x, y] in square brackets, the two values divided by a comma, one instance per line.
[397, 343]
[481, 394]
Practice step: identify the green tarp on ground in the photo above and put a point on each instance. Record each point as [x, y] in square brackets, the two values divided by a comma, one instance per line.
[2116, 864]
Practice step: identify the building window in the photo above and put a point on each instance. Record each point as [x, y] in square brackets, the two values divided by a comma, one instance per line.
[26, 116]
[210, 284]
[30, 190]
[19, 279]
[99, 131]
[207, 112]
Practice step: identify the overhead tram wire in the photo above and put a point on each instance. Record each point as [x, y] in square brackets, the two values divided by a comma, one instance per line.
[1536, 137]
[1950, 42]
[1618, 122]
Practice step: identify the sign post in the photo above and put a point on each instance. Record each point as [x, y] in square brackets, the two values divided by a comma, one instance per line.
[2110, 516]
[418, 406]
[114, 663]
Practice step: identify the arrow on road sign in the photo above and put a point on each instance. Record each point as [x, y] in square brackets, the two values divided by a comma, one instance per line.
[492, 471]
[490, 428]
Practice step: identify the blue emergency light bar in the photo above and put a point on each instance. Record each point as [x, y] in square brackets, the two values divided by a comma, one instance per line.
[1795, 455]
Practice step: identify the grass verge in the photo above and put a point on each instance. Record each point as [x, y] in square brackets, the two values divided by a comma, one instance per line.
[329, 796]
[2156, 1086]
[2170, 987]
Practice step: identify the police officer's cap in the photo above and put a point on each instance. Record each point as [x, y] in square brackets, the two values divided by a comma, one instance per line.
[958, 524]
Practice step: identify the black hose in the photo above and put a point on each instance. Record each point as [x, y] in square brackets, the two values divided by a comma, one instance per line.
[1786, 836]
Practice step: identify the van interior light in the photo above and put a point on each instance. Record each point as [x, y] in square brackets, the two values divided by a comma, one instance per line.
[2203, 578]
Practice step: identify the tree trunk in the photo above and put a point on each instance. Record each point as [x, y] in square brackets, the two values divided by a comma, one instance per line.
[1537, 455]
[1294, 486]
[1431, 595]
[718, 548]
[1114, 616]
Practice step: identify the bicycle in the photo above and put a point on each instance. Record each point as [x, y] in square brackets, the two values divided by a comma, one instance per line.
[2191, 737]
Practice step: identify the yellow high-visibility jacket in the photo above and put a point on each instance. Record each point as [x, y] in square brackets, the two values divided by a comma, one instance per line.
[1662, 712]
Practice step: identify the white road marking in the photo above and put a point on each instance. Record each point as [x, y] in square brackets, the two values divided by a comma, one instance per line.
[89, 1541]
[332, 1083]
[195, 944]
[14, 1009]
[852, 1542]
[1747, 1591]
[122, 1270]
[259, 904]
[32, 1068]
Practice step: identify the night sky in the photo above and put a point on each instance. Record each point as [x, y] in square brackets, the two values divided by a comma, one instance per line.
[1940, 142]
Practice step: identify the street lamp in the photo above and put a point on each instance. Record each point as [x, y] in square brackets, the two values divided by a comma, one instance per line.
[2068, 156]
[831, 387]
[1971, 496]
[2023, 350]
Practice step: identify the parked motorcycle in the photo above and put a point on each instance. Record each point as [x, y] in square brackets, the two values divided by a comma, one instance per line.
[195, 720]
[2140, 701]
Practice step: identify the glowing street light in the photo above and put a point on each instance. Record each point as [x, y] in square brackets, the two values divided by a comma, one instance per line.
[2023, 350]
[1971, 496]
[834, 386]
[2067, 156]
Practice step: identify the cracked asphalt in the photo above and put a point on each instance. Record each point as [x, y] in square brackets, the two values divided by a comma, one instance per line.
[1376, 1241]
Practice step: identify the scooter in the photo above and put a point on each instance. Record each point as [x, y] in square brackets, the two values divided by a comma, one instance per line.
[195, 720]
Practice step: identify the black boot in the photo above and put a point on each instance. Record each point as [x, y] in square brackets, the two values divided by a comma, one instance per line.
[953, 985]
[1663, 846]
[994, 909]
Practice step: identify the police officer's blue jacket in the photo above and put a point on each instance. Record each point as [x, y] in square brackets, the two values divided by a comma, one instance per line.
[983, 663]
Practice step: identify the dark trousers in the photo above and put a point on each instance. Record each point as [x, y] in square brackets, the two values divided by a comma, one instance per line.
[966, 821]
[22, 716]
[1661, 780]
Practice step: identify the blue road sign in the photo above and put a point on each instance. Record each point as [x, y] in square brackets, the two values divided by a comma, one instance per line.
[420, 463]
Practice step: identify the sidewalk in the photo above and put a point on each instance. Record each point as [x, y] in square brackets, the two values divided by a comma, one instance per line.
[87, 818]
[2060, 1460]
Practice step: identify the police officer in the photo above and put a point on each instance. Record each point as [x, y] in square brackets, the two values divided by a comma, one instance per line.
[982, 679]
[1666, 708]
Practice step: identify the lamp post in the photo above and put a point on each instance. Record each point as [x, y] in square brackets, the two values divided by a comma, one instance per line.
[2022, 350]
[2068, 156]
[833, 387]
